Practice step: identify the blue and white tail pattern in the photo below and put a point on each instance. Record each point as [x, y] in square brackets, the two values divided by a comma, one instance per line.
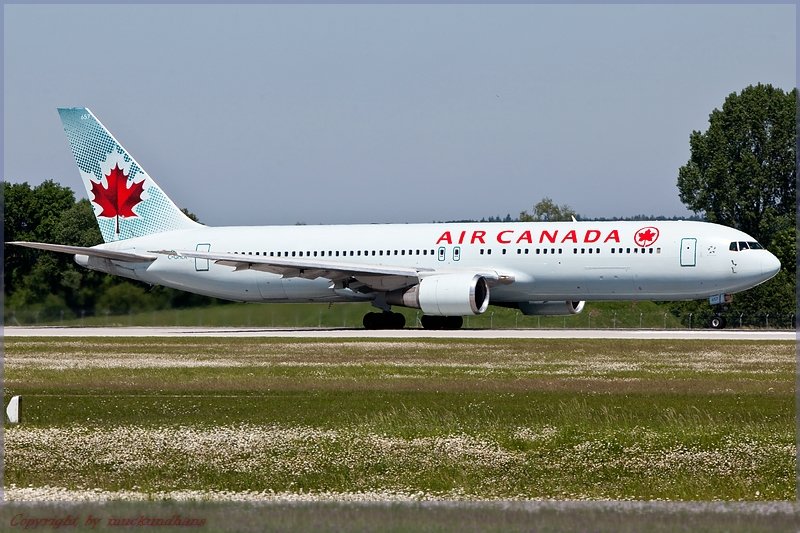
[127, 202]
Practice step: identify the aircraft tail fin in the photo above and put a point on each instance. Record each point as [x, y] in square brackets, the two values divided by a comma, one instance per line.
[127, 202]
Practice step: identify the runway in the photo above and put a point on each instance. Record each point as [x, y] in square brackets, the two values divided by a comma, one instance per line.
[345, 333]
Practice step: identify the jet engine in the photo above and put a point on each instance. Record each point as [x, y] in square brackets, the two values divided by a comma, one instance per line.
[445, 295]
[551, 308]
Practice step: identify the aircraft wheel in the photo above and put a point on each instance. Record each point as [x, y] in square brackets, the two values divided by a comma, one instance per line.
[430, 322]
[398, 321]
[385, 320]
[717, 322]
[371, 321]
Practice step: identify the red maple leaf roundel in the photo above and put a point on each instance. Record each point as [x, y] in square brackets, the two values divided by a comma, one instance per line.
[117, 200]
[646, 236]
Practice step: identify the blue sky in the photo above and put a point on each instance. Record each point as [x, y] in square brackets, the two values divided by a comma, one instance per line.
[275, 114]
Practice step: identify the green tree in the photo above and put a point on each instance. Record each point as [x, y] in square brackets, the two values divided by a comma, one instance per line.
[34, 214]
[742, 173]
[45, 285]
[742, 170]
[548, 211]
[189, 214]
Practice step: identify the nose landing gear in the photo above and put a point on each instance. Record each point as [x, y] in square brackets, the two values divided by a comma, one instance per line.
[717, 322]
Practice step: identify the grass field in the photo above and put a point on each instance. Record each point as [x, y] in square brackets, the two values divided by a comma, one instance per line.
[596, 315]
[267, 419]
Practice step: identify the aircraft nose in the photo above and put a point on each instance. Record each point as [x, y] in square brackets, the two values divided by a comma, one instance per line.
[770, 265]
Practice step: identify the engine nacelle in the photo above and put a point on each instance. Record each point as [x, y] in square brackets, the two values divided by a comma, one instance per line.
[551, 308]
[446, 295]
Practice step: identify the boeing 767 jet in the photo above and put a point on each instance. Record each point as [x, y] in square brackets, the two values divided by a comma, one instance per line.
[448, 270]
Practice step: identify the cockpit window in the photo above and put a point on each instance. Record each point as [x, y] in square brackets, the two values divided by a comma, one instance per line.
[741, 245]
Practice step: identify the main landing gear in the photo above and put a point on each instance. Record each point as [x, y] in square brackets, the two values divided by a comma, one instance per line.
[390, 320]
[384, 320]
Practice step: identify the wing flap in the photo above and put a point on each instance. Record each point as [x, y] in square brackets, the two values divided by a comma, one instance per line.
[298, 267]
[376, 276]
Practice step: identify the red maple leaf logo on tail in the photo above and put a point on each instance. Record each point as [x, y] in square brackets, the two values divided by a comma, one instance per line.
[117, 200]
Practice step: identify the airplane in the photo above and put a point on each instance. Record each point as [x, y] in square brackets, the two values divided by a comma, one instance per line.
[447, 270]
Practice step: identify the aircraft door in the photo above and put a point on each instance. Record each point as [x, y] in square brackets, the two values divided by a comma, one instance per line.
[201, 265]
[688, 252]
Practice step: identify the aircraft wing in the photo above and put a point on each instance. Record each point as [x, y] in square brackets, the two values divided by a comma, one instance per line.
[376, 276]
[114, 255]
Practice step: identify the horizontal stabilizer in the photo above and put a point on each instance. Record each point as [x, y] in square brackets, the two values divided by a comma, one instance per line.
[113, 255]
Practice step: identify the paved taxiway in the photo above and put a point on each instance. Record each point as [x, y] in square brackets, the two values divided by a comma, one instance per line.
[342, 333]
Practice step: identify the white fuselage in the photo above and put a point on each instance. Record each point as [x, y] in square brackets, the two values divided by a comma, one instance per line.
[678, 260]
